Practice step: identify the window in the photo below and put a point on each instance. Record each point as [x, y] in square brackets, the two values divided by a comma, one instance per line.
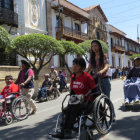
[62, 60]
[98, 35]
[119, 62]
[7, 4]
[77, 27]
[128, 64]
[112, 42]
[0, 3]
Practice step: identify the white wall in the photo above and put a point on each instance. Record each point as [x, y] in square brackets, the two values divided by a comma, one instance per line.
[25, 19]
[70, 59]
[67, 21]
[53, 24]
[84, 28]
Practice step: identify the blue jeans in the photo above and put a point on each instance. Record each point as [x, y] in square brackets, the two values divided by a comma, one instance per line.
[42, 92]
[106, 86]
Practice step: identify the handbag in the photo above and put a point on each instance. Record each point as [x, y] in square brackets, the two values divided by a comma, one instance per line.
[76, 99]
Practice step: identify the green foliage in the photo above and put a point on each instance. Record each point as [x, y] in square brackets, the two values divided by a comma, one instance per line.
[133, 56]
[71, 48]
[5, 40]
[38, 45]
[86, 45]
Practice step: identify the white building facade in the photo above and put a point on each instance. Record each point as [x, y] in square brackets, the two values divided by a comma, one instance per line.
[120, 48]
[71, 28]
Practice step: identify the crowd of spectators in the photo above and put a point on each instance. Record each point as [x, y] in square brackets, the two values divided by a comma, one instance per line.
[118, 72]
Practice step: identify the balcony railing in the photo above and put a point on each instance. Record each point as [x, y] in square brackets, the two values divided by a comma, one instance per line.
[69, 32]
[130, 52]
[117, 48]
[8, 16]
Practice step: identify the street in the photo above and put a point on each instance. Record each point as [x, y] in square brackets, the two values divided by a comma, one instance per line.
[37, 126]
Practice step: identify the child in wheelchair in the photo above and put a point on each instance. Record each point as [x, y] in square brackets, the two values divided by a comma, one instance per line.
[9, 88]
[81, 83]
[6, 97]
[132, 84]
[45, 89]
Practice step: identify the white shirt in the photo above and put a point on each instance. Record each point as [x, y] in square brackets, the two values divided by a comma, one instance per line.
[109, 72]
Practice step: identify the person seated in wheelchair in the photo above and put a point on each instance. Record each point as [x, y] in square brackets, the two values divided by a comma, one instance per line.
[132, 84]
[81, 84]
[10, 87]
[46, 88]
[63, 80]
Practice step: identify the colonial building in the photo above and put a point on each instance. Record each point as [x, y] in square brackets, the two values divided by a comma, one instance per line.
[120, 48]
[9, 21]
[20, 17]
[97, 29]
[70, 22]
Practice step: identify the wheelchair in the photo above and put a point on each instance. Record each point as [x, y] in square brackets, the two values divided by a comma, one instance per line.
[14, 107]
[99, 114]
[49, 95]
[131, 104]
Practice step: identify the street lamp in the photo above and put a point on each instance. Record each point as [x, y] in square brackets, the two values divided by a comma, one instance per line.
[60, 10]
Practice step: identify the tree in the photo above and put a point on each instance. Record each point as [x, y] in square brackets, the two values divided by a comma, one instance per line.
[38, 47]
[86, 45]
[133, 56]
[71, 48]
[5, 40]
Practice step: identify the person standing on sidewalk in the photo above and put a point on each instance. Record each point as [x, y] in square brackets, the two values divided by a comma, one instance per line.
[54, 78]
[25, 81]
[99, 66]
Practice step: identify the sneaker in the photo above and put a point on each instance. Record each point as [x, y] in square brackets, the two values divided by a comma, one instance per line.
[136, 101]
[132, 102]
[126, 102]
[58, 135]
[33, 112]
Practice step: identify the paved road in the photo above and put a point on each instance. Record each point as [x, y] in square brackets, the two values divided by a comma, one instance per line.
[37, 127]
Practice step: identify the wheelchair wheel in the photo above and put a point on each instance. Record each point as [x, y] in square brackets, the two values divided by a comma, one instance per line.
[8, 120]
[103, 114]
[53, 95]
[21, 107]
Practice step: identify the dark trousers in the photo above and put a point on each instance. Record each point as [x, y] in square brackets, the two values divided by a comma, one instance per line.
[70, 113]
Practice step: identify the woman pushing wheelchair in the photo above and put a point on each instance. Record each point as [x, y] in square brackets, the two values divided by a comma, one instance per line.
[132, 84]
[81, 83]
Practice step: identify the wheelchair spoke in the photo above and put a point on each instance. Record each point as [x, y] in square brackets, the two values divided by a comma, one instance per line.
[106, 122]
[104, 104]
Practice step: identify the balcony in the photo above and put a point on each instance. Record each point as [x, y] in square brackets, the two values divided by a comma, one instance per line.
[130, 52]
[71, 34]
[117, 49]
[8, 17]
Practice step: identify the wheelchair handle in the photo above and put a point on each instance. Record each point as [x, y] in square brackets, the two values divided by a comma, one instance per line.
[12, 93]
[64, 101]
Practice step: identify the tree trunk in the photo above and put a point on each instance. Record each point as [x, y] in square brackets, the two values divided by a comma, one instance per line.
[36, 83]
[36, 74]
[70, 72]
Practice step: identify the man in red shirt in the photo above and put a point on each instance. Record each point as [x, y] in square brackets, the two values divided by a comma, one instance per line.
[9, 88]
[81, 83]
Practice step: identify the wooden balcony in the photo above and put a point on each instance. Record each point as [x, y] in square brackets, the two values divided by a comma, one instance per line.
[71, 34]
[8, 17]
[130, 52]
[117, 49]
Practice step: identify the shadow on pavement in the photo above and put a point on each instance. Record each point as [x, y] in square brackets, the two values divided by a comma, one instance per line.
[128, 127]
[38, 132]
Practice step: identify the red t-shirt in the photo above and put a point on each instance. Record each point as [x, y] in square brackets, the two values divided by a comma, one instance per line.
[9, 89]
[83, 83]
